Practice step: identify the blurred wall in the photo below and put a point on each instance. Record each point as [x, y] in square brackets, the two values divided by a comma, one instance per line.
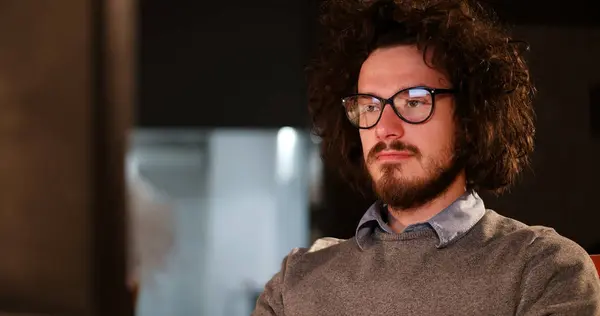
[238, 202]
[255, 216]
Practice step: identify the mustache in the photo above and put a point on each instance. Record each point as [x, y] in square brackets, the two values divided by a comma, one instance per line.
[395, 145]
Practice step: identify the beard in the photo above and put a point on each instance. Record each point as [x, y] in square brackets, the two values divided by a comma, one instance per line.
[400, 192]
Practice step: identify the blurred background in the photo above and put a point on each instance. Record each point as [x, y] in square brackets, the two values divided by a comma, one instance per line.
[156, 157]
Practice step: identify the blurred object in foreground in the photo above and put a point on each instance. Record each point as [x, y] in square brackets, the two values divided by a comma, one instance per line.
[214, 212]
[66, 95]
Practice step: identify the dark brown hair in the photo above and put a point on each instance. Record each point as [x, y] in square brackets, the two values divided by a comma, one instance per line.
[494, 102]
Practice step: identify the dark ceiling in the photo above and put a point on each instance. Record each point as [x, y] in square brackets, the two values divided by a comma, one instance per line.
[226, 51]
[573, 13]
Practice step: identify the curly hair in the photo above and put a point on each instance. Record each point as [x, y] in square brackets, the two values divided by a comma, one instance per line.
[494, 103]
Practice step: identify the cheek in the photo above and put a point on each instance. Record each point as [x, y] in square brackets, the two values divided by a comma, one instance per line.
[430, 136]
[436, 140]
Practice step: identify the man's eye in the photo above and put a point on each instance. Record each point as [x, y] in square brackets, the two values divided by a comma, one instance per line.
[369, 108]
[414, 103]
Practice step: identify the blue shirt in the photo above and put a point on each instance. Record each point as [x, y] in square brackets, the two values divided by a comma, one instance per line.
[450, 224]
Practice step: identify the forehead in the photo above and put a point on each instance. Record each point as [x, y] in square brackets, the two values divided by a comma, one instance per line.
[388, 70]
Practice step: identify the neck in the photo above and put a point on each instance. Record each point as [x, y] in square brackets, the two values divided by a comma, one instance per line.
[401, 218]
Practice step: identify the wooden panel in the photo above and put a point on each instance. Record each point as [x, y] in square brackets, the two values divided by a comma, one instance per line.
[65, 107]
[45, 156]
[113, 101]
[595, 111]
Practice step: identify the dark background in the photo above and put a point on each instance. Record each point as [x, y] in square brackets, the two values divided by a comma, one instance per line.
[200, 59]
[201, 62]
[232, 63]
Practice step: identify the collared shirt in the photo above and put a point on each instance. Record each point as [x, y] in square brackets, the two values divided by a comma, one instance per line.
[450, 224]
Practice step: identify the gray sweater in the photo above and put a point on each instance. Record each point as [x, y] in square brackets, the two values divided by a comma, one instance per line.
[500, 267]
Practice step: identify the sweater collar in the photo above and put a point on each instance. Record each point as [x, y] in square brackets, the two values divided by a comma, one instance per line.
[450, 224]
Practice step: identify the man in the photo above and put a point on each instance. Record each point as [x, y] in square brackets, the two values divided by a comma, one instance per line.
[435, 107]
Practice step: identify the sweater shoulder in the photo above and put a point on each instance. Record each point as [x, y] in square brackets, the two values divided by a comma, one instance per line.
[302, 261]
[534, 239]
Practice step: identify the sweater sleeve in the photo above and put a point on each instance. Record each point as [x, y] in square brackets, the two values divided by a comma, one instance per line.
[270, 301]
[559, 279]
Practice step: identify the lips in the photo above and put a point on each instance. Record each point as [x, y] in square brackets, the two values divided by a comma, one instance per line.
[394, 155]
[395, 151]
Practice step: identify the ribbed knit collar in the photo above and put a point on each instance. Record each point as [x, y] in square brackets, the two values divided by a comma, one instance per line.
[380, 234]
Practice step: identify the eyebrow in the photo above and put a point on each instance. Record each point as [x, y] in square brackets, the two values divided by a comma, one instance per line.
[420, 84]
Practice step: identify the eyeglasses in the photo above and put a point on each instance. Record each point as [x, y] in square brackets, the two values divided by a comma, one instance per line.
[413, 105]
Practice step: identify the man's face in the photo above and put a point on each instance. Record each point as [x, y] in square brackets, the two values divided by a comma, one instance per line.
[410, 164]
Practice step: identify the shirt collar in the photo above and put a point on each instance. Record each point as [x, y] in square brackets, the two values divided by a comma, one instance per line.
[450, 224]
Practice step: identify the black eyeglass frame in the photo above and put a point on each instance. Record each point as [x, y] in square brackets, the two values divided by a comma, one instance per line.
[390, 101]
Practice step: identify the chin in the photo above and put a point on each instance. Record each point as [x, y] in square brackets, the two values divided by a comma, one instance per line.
[380, 175]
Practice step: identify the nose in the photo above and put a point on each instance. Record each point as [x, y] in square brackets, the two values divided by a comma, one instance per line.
[390, 126]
